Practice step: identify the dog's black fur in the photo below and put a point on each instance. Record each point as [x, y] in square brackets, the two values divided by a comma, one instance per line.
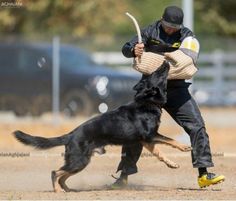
[136, 121]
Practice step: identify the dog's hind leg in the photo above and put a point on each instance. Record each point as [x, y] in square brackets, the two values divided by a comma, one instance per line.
[62, 181]
[161, 139]
[156, 152]
[59, 177]
[77, 157]
[56, 176]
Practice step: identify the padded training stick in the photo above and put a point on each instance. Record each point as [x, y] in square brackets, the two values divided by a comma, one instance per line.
[136, 26]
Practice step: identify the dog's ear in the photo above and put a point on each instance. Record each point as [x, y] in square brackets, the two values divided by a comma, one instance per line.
[145, 89]
[160, 74]
[150, 81]
[139, 86]
[143, 93]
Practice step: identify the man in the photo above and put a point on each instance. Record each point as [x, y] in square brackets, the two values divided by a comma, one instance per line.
[166, 35]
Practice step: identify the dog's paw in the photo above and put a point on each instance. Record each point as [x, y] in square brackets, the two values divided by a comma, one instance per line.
[59, 190]
[171, 164]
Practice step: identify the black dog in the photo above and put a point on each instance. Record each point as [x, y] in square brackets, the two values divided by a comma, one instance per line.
[131, 123]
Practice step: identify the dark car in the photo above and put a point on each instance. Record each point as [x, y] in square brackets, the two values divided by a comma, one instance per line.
[85, 87]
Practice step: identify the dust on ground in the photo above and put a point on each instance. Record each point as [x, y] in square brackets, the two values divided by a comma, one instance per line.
[25, 172]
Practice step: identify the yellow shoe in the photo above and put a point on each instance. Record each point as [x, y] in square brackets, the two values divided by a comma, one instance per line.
[210, 179]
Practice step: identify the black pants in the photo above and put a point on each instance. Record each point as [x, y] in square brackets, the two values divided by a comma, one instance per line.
[184, 110]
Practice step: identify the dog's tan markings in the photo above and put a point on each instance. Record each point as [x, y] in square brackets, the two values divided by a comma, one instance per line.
[160, 139]
[62, 181]
[56, 176]
[162, 157]
[80, 142]
[156, 152]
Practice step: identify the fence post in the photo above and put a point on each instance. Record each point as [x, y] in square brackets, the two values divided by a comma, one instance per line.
[218, 61]
[56, 79]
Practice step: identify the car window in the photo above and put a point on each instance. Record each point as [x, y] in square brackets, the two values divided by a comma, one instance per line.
[8, 59]
[73, 58]
[29, 60]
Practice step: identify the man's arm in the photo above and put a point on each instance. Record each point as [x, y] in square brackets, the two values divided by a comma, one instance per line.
[133, 48]
[190, 46]
[128, 48]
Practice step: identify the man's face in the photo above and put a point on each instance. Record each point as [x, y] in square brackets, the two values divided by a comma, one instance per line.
[169, 30]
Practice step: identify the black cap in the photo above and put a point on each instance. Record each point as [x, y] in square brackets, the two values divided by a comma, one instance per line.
[173, 17]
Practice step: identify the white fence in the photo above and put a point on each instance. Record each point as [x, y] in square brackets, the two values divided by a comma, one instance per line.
[214, 84]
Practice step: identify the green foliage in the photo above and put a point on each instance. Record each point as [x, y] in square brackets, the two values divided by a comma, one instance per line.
[216, 17]
[103, 21]
[146, 12]
[79, 18]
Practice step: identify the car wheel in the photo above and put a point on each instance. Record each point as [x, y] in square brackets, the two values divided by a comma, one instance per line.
[19, 107]
[40, 105]
[20, 111]
[77, 103]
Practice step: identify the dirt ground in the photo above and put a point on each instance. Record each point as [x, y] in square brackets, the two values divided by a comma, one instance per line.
[25, 172]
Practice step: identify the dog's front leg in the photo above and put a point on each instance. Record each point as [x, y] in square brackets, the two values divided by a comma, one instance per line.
[156, 152]
[161, 139]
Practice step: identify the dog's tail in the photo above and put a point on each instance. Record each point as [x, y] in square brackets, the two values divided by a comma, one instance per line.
[41, 142]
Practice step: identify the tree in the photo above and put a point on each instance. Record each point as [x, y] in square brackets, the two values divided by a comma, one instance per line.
[77, 18]
[216, 17]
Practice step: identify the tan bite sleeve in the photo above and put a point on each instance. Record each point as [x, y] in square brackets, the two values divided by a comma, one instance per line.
[181, 65]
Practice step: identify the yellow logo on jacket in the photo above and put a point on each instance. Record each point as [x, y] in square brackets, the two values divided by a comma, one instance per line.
[176, 45]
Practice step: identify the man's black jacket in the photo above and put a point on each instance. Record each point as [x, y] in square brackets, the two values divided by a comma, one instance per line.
[156, 40]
